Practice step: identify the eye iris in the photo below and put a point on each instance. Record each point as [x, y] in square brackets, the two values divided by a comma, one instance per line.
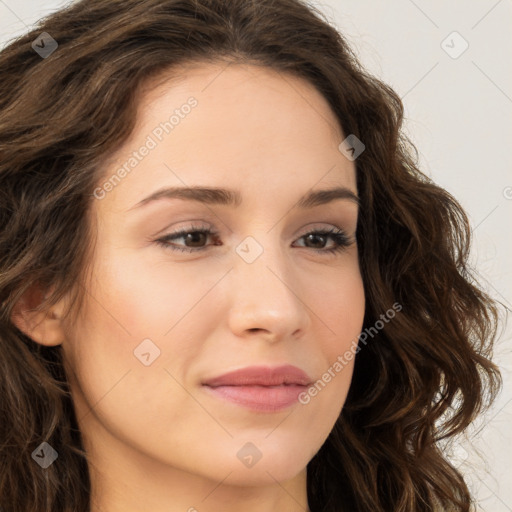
[313, 236]
[193, 237]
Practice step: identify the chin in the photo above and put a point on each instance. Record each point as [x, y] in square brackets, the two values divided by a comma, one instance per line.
[264, 474]
[264, 462]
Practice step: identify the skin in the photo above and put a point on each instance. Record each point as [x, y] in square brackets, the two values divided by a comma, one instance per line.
[156, 440]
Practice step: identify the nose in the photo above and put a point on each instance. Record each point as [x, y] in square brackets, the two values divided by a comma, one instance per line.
[267, 301]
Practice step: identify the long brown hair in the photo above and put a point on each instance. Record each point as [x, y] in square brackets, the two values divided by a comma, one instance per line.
[63, 114]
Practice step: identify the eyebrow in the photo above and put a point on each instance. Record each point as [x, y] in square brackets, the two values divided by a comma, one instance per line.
[230, 197]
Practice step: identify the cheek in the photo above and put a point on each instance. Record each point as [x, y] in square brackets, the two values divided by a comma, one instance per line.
[341, 306]
[120, 388]
[137, 332]
[346, 309]
[151, 296]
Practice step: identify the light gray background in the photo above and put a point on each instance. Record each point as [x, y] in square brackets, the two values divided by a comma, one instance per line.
[459, 115]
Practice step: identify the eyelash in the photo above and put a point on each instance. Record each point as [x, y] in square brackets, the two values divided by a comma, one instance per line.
[337, 235]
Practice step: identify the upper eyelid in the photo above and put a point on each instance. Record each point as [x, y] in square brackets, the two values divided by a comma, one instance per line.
[206, 225]
[213, 231]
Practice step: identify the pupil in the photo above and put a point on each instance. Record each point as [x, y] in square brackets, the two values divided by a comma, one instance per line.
[193, 237]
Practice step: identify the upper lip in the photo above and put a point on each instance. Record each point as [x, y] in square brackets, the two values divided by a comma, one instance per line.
[261, 376]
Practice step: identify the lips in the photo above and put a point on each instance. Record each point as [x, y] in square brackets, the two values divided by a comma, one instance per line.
[260, 388]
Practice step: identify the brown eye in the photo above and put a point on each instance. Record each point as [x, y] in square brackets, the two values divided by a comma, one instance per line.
[318, 240]
[194, 240]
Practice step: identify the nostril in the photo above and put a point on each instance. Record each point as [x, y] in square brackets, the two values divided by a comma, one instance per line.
[254, 329]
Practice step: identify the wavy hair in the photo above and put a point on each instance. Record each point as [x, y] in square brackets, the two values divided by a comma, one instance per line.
[62, 116]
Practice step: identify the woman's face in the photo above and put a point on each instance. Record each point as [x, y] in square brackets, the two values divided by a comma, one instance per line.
[165, 315]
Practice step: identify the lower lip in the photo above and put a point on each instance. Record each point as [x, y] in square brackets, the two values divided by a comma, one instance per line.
[260, 398]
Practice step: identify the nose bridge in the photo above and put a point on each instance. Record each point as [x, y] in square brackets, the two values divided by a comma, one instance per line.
[266, 291]
[262, 262]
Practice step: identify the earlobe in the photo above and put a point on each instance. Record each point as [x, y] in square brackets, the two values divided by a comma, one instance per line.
[43, 327]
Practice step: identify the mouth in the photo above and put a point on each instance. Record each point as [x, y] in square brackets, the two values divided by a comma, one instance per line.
[260, 388]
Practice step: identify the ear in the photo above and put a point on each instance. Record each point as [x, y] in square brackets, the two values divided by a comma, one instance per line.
[44, 327]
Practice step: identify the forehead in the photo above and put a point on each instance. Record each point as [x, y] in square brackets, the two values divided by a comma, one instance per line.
[249, 127]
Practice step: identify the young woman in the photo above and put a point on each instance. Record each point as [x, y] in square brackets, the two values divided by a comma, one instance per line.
[225, 284]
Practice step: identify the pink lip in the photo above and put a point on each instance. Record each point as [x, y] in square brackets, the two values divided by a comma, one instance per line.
[260, 388]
